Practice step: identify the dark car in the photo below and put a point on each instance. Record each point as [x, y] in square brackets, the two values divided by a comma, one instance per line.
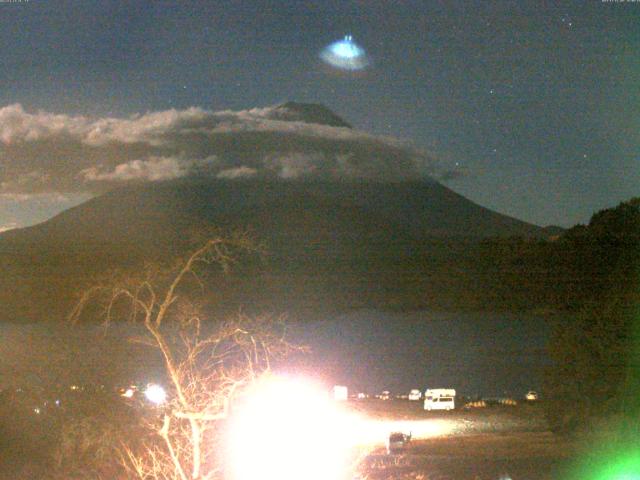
[397, 442]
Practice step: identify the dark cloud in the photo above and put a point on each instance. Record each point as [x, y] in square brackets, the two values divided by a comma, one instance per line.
[45, 152]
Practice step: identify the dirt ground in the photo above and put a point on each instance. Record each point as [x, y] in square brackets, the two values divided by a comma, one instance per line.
[496, 443]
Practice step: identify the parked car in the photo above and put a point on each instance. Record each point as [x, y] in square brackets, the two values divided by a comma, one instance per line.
[397, 442]
[415, 394]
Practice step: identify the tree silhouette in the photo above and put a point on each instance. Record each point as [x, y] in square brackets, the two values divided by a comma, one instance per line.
[206, 363]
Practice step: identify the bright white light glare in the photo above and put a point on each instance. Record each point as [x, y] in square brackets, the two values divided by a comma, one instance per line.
[340, 393]
[288, 430]
[155, 394]
[345, 54]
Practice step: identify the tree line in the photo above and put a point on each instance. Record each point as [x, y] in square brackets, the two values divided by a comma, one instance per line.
[591, 272]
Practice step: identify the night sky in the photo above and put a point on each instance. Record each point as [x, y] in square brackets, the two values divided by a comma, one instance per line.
[534, 106]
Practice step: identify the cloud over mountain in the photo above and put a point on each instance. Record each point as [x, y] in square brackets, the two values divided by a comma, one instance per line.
[46, 152]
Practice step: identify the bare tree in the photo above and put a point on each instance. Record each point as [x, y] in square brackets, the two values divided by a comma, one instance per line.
[206, 363]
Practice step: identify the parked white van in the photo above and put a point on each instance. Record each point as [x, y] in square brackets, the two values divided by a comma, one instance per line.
[440, 399]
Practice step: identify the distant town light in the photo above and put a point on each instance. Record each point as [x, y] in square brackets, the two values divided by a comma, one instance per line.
[128, 393]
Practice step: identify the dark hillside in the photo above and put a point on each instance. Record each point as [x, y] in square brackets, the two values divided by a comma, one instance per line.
[330, 244]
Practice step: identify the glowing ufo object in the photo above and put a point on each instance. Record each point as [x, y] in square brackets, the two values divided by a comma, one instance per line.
[345, 54]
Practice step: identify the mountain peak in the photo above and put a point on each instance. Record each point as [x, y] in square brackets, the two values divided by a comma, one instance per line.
[307, 113]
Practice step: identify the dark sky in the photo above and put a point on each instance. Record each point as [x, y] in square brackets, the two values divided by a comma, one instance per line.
[536, 103]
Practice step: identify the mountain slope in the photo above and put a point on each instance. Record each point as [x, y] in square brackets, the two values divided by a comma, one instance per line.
[331, 244]
[424, 208]
[349, 219]
[308, 113]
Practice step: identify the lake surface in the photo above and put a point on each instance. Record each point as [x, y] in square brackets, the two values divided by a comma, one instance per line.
[370, 351]
[476, 353]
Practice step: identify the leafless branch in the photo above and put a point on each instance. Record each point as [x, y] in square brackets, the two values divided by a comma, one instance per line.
[205, 366]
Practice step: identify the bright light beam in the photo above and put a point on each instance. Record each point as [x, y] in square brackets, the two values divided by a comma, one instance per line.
[374, 432]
